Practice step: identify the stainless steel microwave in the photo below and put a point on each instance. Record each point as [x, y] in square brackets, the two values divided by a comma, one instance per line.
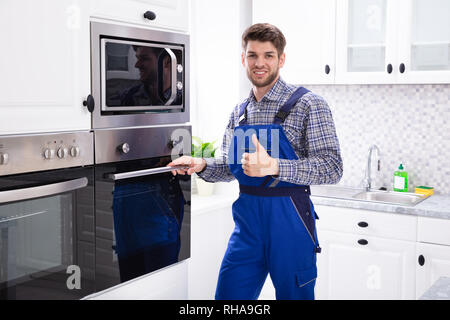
[140, 76]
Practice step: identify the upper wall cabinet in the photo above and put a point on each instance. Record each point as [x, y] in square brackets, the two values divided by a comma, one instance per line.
[45, 66]
[166, 14]
[424, 41]
[393, 41]
[309, 30]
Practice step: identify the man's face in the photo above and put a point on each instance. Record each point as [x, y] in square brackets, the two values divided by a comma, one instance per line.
[262, 63]
[146, 63]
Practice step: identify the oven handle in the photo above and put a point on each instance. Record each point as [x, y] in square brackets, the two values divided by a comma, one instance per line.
[141, 173]
[42, 191]
[174, 77]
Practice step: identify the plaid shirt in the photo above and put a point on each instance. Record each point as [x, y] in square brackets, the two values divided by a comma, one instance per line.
[309, 128]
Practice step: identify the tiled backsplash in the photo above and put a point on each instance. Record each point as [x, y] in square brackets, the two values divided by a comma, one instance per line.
[409, 123]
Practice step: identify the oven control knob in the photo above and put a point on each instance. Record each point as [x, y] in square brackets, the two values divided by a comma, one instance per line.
[74, 152]
[49, 153]
[179, 85]
[62, 152]
[4, 157]
[179, 68]
[124, 147]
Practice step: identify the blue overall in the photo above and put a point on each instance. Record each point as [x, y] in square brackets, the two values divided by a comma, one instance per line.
[274, 221]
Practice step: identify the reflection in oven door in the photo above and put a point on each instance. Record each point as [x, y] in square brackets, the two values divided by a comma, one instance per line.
[46, 235]
[142, 222]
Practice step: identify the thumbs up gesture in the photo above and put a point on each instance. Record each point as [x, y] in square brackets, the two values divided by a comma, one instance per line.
[259, 163]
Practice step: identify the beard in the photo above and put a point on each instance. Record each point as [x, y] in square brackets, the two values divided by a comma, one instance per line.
[262, 83]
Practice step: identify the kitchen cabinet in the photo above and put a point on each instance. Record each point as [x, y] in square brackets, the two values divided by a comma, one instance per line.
[170, 14]
[309, 30]
[212, 225]
[365, 254]
[169, 283]
[45, 65]
[433, 252]
[387, 41]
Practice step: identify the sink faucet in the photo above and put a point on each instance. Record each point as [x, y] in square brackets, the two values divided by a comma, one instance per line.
[368, 176]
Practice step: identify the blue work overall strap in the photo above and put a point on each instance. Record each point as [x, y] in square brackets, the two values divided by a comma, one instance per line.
[243, 111]
[287, 107]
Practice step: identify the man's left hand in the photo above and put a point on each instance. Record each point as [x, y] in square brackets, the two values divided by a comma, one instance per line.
[259, 163]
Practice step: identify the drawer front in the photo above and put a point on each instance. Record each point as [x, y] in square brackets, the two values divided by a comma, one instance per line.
[365, 222]
[433, 230]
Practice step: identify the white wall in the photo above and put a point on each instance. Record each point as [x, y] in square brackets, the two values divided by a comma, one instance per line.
[218, 81]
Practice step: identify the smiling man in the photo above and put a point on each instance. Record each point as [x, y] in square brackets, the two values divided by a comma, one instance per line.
[279, 141]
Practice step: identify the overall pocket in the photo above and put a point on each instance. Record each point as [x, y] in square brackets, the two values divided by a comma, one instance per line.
[302, 206]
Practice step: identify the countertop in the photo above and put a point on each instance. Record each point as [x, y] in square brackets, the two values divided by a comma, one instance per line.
[440, 290]
[435, 206]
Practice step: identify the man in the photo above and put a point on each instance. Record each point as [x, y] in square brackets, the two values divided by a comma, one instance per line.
[293, 145]
[154, 67]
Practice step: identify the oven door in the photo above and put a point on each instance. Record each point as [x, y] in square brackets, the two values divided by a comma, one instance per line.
[142, 219]
[47, 235]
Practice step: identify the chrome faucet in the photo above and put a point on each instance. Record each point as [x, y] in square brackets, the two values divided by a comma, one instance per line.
[368, 177]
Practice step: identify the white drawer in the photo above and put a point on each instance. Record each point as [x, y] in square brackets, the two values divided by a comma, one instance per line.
[433, 230]
[379, 224]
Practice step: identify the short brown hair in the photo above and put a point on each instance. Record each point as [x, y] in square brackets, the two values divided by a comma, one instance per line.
[264, 32]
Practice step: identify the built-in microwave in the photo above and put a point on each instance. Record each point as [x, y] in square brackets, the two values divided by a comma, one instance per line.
[139, 76]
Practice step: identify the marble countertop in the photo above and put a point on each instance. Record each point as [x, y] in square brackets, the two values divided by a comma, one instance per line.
[435, 206]
[440, 290]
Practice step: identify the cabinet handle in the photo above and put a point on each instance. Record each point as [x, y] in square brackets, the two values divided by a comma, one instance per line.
[327, 69]
[363, 242]
[389, 68]
[150, 15]
[421, 260]
[363, 224]
[401, 67]
[89, 103]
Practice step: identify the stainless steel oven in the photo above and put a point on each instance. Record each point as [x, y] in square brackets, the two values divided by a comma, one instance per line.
[139, 76]
[142, 210]
[47, 216]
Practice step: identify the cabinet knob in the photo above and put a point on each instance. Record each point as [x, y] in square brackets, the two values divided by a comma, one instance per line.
[363, 224]
[421, 260]
[389, 68]
[150, 15]
[327, 69]
[89, 103]
[401, 67]
[363, 242]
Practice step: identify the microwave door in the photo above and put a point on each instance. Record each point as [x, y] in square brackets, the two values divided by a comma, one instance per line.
[140, 76]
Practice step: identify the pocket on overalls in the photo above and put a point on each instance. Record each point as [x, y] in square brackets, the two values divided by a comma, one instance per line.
[306, 276]
[307, 216]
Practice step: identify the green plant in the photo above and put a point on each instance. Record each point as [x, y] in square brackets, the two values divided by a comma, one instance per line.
[202, 149]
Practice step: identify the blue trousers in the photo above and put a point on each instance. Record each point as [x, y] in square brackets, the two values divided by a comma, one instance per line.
[270, 236]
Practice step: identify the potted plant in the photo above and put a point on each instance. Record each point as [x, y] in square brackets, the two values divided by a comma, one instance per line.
[201, 149]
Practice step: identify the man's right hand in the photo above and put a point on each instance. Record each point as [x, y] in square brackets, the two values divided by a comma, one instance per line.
[195, 165]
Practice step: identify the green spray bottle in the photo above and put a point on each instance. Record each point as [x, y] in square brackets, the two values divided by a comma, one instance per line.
[401, 180]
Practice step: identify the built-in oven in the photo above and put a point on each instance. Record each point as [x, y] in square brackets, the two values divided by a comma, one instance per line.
[142, 211]
[139, 76]
[47, 242]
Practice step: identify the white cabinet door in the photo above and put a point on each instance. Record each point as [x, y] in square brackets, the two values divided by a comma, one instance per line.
[424, 41]
[210, 233]
[170, 14]
[366, 32]
[432, 262]
[45, 65]
[380, 269]
[309, 30]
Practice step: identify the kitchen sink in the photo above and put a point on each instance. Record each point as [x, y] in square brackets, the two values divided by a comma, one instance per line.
[389, 197]
[409, 199]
